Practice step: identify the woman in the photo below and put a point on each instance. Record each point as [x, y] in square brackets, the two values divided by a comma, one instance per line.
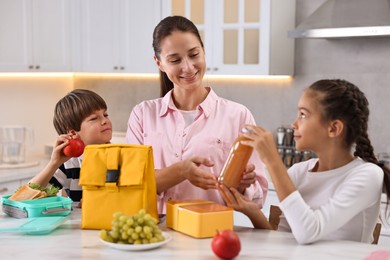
[190, 128]
[334, 196]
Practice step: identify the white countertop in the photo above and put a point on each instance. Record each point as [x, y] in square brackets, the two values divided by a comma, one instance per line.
[70, 242]
[18, 173]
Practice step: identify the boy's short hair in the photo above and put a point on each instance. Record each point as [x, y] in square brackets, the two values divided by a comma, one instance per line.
[72, 109]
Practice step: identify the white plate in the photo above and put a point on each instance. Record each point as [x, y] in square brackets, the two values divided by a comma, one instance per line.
[131, 247]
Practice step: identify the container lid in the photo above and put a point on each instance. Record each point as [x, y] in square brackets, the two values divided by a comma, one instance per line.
[192, 201]
[206, 208]
[31, 226]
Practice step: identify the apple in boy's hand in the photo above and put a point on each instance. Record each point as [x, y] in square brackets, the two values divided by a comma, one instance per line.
[226, 244]
[75, 148]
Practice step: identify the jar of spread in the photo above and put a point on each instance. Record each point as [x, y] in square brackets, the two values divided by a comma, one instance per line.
[236, 162]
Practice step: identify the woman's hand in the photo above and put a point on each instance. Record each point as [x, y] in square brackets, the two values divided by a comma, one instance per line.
[193, 172]
[248, 178]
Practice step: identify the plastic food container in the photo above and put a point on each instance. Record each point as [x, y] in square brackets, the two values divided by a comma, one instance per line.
[45, 207]
[198, 218]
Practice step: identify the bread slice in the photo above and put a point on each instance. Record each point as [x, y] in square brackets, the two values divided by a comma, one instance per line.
[25, 193]
[40, 195]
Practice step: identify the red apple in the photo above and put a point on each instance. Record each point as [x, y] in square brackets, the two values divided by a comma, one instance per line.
[75, 148]
[226, 244]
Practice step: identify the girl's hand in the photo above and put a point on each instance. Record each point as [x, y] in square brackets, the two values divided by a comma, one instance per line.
[263, 142]
[248, 178]
[234, 199]
[194, 173]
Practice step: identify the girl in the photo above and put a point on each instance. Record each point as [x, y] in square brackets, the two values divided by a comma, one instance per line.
[334, 196]
[190, 128]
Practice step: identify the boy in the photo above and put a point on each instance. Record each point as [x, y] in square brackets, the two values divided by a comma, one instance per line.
[80, 114]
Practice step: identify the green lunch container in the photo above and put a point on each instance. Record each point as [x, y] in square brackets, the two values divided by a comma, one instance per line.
[44, 207]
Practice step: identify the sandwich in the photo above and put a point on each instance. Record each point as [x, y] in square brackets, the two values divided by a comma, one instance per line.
[32, 191]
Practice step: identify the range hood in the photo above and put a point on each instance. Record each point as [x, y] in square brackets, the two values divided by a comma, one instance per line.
[345, 19]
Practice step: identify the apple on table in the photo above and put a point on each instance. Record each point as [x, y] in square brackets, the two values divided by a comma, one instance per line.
[226, 244]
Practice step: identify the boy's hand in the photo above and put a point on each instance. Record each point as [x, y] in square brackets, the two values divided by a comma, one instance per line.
[57, 154]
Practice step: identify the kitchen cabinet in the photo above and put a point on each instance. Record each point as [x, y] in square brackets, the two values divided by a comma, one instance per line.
[244, 37]
[35, 35]
[116, 36]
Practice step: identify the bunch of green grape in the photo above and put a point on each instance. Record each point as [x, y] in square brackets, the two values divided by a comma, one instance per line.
[140, 228]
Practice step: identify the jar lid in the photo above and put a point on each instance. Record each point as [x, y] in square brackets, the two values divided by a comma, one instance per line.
[245, 130]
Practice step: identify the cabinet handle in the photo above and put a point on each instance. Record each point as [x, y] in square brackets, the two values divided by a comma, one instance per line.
[37, 67]
[215, 69]
[122, 68]
[31, 67]
[3, 190]
[208, 69]
[115, 67]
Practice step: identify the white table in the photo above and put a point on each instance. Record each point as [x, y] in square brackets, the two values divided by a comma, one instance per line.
[70, 242]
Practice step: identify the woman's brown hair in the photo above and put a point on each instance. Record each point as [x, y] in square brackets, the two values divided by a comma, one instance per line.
[164, 29]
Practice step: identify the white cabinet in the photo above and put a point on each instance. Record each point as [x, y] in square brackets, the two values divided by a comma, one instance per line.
[35, 35]
[242, 37]
[116, 36]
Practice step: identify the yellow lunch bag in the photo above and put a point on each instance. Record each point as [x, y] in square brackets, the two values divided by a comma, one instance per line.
[116, 178]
